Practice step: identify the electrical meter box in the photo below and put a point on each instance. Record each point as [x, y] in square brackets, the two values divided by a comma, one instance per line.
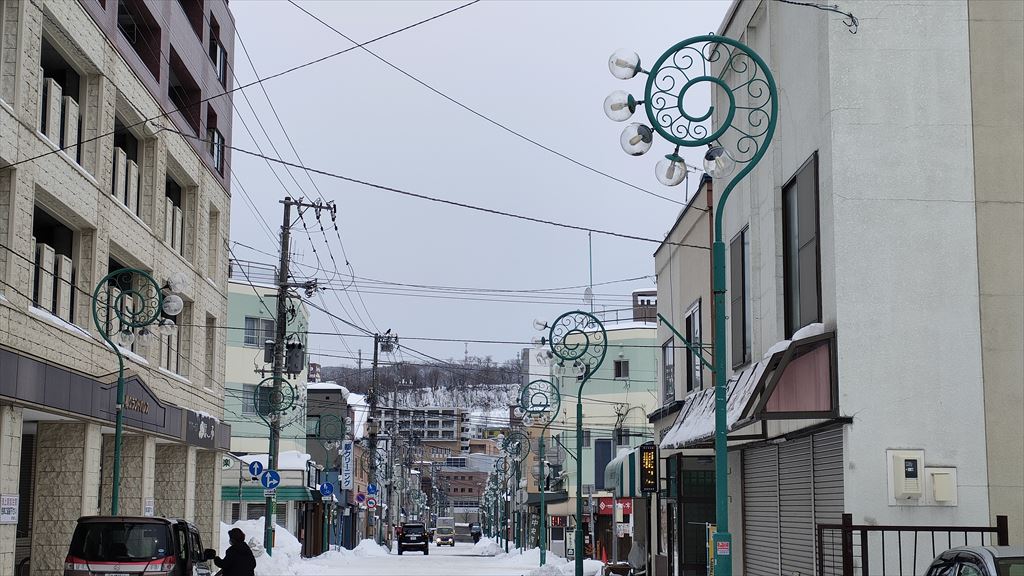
[906, 476]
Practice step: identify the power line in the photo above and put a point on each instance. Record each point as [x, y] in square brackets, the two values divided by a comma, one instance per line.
[483, 116]
[244, 86]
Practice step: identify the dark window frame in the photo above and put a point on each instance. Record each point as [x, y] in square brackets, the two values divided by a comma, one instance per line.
[739, 298]
[787, 264]
[621, 368]
[668, 371]
[692, 322]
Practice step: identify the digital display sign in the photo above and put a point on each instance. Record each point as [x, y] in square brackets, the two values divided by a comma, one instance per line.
[649, 468]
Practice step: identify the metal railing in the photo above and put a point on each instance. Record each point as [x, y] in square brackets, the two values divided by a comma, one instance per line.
[849, 549]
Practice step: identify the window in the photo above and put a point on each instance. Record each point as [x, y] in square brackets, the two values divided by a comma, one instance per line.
[60, 95]
[218, 54]
[668, 372]
[213, 244]
[174, 348]
[215, 140]
[622, 368]
[602, 456]
[586, 438]
[140, 29]
[124, 180]
[53, 278]
[801, 260]
[739, 297]
[194, 12]
[211, 351]
[174, 216]
[694, 369]
[248, 398]
[312, 426]
[183, 91]
[622, 436]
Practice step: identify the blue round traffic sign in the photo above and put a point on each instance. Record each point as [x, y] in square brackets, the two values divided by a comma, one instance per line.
[371, 489]
[255, 468]
[326, 489]
[270, 479]
[360, 497]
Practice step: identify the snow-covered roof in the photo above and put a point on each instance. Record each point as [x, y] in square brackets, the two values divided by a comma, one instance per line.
[360, 413]
[286, 460]
[329, 386]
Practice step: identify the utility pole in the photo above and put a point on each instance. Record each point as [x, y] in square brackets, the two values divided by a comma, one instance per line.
[280, 335]
[381, 342]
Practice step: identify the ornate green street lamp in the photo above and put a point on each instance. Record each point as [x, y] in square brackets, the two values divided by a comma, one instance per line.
[579, 339]
[743, 78]
[501, 469]
[540, 401]
[125, 303]
[517, 445]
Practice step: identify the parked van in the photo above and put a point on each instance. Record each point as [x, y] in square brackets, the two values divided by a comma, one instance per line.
[121, 545]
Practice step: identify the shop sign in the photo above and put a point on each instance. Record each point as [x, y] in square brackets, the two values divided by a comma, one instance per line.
[9, 509]
[558, 521]
[605, 506]
[648, 468]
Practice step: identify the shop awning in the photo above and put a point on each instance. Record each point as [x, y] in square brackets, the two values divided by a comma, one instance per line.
[622, 477]
[795, 380]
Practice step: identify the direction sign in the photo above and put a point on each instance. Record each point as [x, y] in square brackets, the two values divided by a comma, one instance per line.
[371, 489]
[326, 489]
[360, 497]
[255, 468]
[270, 479]
[371, 503]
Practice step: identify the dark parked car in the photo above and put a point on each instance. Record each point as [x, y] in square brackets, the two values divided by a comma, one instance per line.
[475, 531]
[413, 536]
[123, 544]
[979, 561]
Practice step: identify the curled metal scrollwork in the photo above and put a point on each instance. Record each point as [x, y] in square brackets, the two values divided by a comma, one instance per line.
[579, 337]
[539, 398]
[271, 402]
[516, 445]
[126, 299]
[739, 76]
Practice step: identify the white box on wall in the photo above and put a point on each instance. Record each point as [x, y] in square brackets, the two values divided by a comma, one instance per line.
[54, 95]
[120, 162]
[133, 187]
[940, 486]
[44, 270]
[906, 477]
[69, 119]
[62, 271]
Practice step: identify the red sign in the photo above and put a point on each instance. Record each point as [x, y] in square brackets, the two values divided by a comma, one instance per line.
[604, 506]
[723, 548]
[558, 521]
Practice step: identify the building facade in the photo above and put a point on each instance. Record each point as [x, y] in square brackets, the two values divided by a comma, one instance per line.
[846, 394]
[439, 429]
[252, 305]
[99, 172]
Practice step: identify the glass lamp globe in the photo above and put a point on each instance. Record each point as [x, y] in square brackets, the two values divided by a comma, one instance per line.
[559, 369]
[126, 337]
[579, 368]
[624, 64]
[538, 341]
[145, 336]
[636, 139]
[168, 327]
[178, 282]
[718, 162]
[619, 106]
[527, 420]
[173, 305]
[670, 170]
[540, 324]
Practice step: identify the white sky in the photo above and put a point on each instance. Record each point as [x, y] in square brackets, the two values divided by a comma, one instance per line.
[537, 67]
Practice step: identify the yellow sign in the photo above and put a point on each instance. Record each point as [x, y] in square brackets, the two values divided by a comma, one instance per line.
[648, 468]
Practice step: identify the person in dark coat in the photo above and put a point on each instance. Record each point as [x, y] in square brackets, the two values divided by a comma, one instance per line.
[238, 559]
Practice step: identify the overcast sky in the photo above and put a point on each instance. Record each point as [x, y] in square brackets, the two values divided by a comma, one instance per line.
[539, 68]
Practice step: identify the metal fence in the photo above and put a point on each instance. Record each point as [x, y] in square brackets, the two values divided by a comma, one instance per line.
[849, 549]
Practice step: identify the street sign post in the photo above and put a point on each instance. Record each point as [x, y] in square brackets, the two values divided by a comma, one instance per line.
[371, 489]
[326, 489]
[371, 503]
[360, 497]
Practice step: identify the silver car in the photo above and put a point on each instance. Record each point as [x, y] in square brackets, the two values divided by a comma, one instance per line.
[979, 561]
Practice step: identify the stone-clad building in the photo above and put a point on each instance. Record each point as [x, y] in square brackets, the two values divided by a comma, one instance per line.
[96, 175]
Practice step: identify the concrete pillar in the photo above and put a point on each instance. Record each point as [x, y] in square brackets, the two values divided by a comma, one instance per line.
[208, 491]
[138, 459]
[174, 486]
[66, 487]
[10, 474]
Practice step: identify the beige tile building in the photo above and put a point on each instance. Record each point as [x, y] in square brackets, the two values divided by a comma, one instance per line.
[95, 176]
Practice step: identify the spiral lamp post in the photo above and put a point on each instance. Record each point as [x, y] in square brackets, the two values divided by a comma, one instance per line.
[130, 301]
[501, 472]
[579, 339]
[540, 400]
[517, 445]
[749, 86]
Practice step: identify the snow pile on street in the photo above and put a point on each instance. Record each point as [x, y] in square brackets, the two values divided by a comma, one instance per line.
[287, 549]
[486, 547]
[557, 566]
[368, 548]
[546, 570]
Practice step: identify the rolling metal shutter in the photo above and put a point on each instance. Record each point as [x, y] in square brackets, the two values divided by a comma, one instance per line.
[761, 511]
[796, 507]
[255, 511]
[828, 482]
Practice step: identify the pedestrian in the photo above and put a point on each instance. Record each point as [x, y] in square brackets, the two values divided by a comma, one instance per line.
[238, 559]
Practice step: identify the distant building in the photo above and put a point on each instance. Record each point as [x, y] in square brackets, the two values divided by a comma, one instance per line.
[439, 429]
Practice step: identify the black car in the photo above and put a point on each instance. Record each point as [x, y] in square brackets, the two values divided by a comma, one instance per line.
[123, 544]
[413, 536]
[979, 561]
